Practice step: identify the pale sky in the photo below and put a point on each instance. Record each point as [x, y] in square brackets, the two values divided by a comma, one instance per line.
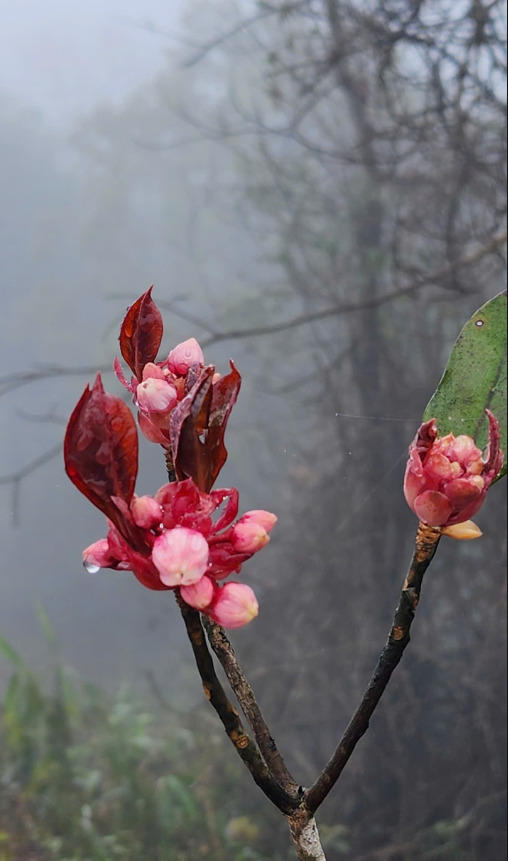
[62, 56]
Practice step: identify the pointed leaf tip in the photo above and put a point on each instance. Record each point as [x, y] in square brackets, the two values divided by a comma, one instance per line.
[141, 333]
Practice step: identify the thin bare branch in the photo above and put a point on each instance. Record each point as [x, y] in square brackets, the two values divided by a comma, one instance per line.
[11, 382]
[350, 307]
[427, 540]
[245, 696]
[215, 694]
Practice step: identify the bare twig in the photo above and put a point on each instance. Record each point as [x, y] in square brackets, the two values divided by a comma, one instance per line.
[245, 696]
[349, 307]
[10, 382]
[215, 694]
[426, 543]
[15, 478]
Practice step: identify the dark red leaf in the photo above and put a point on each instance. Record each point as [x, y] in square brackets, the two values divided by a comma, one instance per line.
[198, 425]
[141, 333]
[101, 450]
[187, 430]
[225, 393]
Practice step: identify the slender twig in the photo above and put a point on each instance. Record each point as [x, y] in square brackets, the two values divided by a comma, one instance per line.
[350, 307]
[215, 694]
[427, 539]
[245, 696]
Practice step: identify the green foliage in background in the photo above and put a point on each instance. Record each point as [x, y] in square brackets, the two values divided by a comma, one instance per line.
[88, 777]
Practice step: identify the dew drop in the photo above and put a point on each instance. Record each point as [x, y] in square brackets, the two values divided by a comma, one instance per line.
[91, 568]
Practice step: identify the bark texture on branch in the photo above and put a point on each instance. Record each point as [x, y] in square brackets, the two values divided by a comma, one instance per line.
[303, 830]
[261, 756]
[215, 694]
[245, 696]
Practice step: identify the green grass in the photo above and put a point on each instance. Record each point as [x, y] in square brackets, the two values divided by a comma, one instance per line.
[85, 776]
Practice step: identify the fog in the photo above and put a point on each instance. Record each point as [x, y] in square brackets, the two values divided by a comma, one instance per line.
[61, 58]
[253, 182]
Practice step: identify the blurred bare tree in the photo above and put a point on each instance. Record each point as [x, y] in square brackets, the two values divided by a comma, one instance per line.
[376, 176]
[359, 153]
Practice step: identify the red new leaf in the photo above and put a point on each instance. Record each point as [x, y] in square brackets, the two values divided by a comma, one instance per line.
[225, 393]
[198, 425]
[141, 333]
[101, 450]
[187, 430]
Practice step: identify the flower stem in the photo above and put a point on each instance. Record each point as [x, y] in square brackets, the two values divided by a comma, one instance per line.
[427, 539]
[245, 696]
[215, 694]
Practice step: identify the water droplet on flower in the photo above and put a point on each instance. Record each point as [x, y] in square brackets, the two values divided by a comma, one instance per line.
[91, 567]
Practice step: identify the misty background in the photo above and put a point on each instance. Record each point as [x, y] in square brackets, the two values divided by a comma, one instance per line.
[330, 175]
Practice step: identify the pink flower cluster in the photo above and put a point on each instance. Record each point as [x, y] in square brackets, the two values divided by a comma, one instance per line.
[184, 538]
[162, 386]
[447, 478]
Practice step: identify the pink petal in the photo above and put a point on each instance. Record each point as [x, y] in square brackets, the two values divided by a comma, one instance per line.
[153, 371]
[258, 515]
[463, 491]
[414, 484]
[200, 594]
[180, 556]
[97, 555]
[155, 395]
[432, 508]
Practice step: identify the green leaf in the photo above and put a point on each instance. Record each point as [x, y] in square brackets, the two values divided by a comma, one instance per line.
[475, 378]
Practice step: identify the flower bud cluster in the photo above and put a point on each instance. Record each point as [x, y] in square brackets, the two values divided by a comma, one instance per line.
[161, 387]
[187, 539]
[447, 478]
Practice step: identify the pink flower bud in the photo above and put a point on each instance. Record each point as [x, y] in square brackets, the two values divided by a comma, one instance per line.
[251, 532]
[446, 478]
[156, 396]
[264, 518]
[200, 594]
[146, 511]
[180, 556]
[235, 605]
[185, 355]
[152, 371]
[97, 555]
